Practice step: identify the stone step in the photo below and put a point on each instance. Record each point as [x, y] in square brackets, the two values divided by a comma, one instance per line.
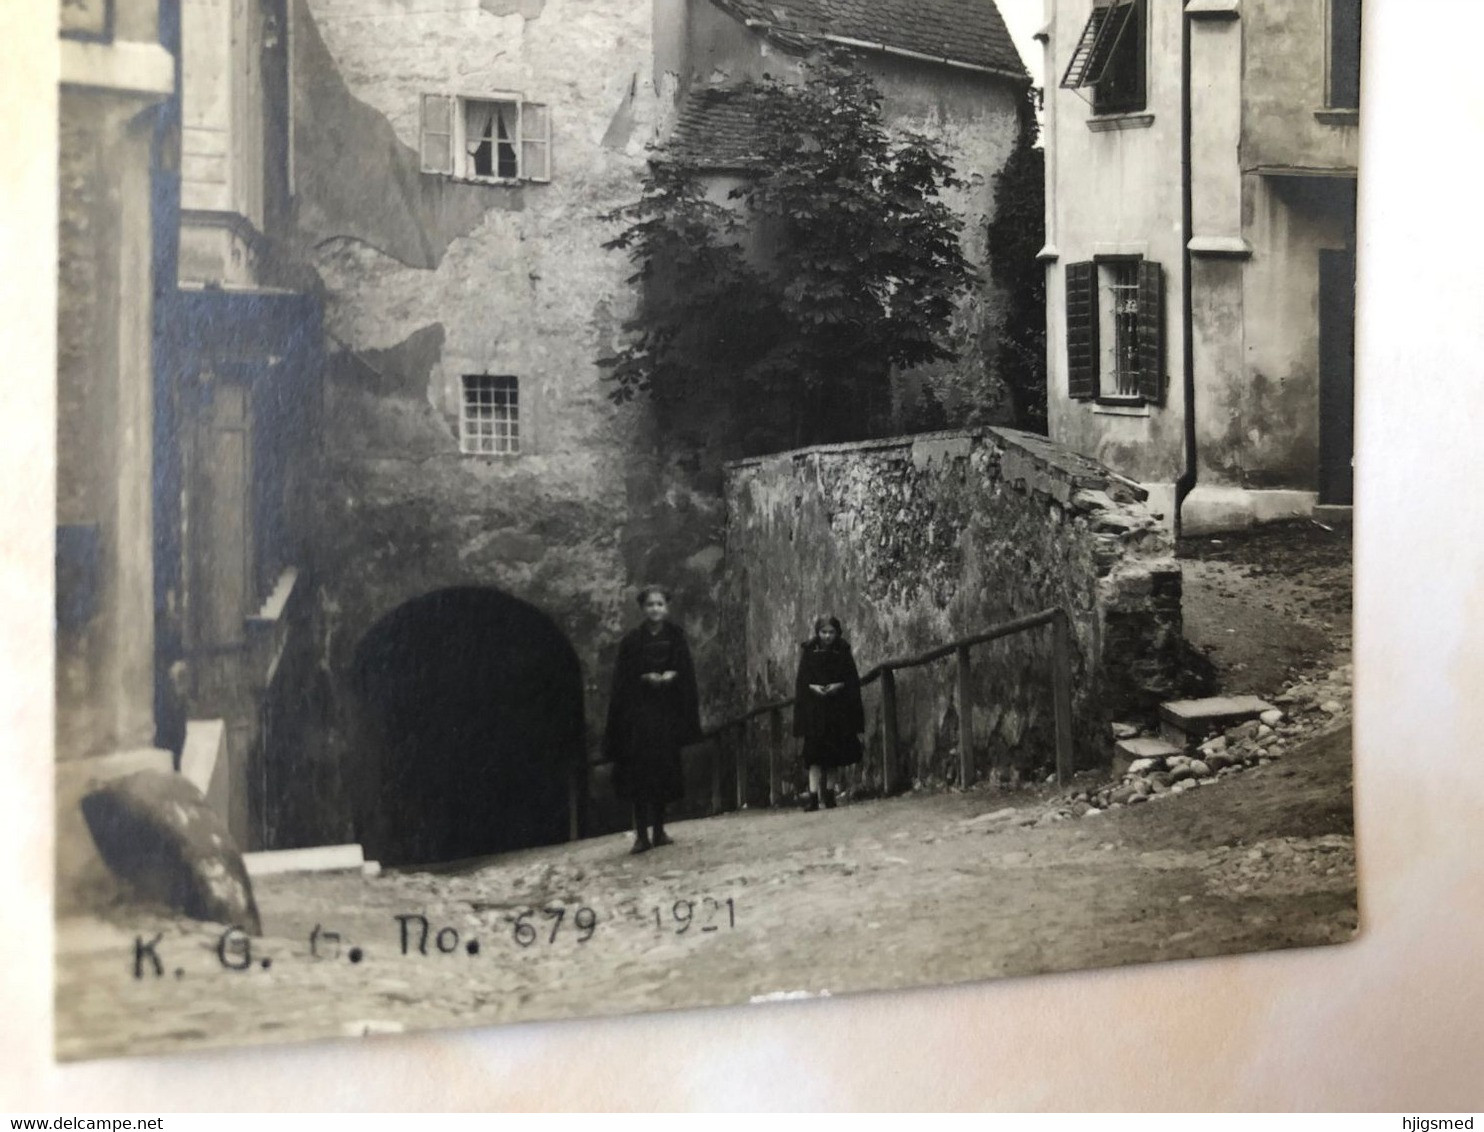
[1126, 752]
[1190, 722]
[321, 859]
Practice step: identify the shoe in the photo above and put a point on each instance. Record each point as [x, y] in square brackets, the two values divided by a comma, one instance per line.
[829, 799]
[811, 803]
[661, 839]
[641, 845]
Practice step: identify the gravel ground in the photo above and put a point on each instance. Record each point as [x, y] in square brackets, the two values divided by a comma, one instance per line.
[880, 895]
[1270, 606]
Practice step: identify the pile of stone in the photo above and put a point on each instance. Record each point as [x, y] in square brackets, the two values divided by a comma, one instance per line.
[1162, 769]
[1316, 703]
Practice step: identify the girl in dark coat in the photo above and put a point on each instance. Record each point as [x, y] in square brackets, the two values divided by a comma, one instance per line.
[828, 714]
[653, 712]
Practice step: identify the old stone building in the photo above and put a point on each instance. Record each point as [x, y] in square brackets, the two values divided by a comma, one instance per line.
[483, 511]
[1201, 175]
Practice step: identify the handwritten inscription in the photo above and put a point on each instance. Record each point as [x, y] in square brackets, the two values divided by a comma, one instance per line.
[416, 935]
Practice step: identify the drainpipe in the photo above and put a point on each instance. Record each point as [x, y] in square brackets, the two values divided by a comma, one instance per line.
[1186, 483]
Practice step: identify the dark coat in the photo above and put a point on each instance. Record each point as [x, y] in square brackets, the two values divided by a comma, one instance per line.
[829, 725]
[648, 725]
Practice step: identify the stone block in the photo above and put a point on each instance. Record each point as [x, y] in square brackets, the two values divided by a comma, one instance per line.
[1127, 752]
[322, 859]
[155, 831]
[1186, 722]
[83, 880]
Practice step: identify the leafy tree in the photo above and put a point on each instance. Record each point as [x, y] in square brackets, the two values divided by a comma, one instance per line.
[789, 304]
[1016, 234]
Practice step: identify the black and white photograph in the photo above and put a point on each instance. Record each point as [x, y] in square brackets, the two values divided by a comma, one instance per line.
[575, 508]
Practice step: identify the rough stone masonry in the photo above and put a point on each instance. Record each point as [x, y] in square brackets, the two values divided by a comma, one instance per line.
[916, 542]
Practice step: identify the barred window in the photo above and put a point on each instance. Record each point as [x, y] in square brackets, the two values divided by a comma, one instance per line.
[1120, 317]
[1115, 331]
[489, 424]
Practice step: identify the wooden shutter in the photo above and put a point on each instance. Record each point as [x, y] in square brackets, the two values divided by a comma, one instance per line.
[1151, 332]
[1082, 331]
[535, 141]
[436, 134]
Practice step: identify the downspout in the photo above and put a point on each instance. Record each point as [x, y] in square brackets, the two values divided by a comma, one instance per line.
[1187, 481]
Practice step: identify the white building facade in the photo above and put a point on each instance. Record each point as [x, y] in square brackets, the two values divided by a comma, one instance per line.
[1201, 188]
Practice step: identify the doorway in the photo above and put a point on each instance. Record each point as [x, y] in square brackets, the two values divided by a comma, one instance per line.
[469, 720]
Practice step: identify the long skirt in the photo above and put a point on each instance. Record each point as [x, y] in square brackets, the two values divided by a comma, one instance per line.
[833, 750]
[648, 768]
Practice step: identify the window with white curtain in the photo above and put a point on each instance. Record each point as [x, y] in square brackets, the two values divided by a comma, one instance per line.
[500, 139]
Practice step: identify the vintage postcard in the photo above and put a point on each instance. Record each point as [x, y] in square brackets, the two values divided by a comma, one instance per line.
[577, 507]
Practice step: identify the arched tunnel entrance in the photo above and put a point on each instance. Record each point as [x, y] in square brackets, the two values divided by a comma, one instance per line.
[469, 718]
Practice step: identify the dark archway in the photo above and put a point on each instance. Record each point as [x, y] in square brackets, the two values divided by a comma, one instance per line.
[469, 711]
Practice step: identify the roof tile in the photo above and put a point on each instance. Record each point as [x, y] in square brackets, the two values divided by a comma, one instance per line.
[964, 31]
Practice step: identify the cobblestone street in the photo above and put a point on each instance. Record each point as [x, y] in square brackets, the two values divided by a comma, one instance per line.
[927, 889]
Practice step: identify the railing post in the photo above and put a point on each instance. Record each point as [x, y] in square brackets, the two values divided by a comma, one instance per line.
[740, 740]
[576, 793]
[888, 730]
[718, 756]
[1061, 678]
[775, 754]
[965, 720]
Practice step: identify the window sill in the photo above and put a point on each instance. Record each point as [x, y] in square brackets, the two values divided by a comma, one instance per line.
[1338, 117]
[1220, 247]
[1107, 123]
[1111, 408]
[1213, 9]
[505, 182]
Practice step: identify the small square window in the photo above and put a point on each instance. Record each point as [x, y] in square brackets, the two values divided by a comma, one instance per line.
[489, 420]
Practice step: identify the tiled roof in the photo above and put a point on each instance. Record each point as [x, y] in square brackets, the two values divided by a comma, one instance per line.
[965, 31]
[716, 129]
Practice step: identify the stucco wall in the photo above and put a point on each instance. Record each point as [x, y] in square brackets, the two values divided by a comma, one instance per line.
[1115, 191]
[105, 657]
[916, 542]
[1260, 74]
[427, 280]
[1266, 428]
[1286, 66]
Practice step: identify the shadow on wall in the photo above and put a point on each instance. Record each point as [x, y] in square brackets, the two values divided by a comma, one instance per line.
[469, 723]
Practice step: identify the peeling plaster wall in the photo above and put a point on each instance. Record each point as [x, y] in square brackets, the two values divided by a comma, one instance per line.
[1263, 428]
[428, 280]
[974, 117]
[1286, 75]
[916, 542]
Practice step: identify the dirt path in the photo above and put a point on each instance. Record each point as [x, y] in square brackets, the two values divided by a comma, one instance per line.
[1270, 606]
[915, 891]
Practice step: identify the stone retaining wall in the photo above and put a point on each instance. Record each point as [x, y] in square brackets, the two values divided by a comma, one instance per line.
[914, 542]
